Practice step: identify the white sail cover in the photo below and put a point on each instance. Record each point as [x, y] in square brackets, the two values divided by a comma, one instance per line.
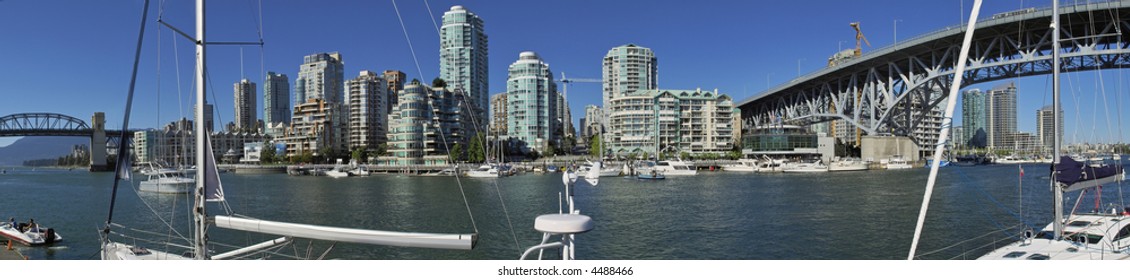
[213, 189]
[362, 236]
[594, 173]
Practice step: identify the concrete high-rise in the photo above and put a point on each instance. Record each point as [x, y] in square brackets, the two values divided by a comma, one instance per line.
[463, 58]
[498, 119]
[276, 99]
[531, 103]
[245, 119]
[974, 119]
[395, 81]
[652, 121]
[1046, 129]
[564, 118]
[321, 76]
[426, 123]
[627, 69]
[368, 115]
[1001, 101]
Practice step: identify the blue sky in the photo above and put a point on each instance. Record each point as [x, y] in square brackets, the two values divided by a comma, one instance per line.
[74, 57]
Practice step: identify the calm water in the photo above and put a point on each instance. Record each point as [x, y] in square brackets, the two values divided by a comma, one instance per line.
[716, 215]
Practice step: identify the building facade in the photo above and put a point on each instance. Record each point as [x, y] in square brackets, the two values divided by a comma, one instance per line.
[463, 58]
[395, 81]
[498, 119]
[974, 119]
[663, 121]
[592, 123]
[531, 103]
[276, 100]
[564, 118]
[1046, 130]
[425, 124]
[321, 76]
[627, 69]
[368, 115]
[1001, 103]
[245, 106]
[314, 128]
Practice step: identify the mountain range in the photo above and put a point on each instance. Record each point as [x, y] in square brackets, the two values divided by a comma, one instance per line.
[39, 147]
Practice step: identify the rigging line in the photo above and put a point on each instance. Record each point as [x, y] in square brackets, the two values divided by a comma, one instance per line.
[129, 105]
[440, 131]
[409, 39]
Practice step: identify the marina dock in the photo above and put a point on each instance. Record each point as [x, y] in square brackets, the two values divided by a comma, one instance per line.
[9, 252]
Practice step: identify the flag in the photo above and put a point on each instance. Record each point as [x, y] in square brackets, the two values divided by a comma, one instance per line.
[1021, 170]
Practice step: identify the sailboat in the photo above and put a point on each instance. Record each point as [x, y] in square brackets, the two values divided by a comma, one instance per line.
[209, 189]
[1074, 236]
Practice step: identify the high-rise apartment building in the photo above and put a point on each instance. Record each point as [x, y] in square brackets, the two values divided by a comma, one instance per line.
[245, 120]
[592, 123]
[321, 76]
[276, 100]
[564, 118]
[1045, 127]
[498, 119]
[974, 119]
[463, 58]
[1001, 101]
[368, 115]
[395, 80]
[531, 103]
[627, 69]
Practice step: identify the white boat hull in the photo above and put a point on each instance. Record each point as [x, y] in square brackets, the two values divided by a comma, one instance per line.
[172, 185]
[337, 174]
[121, 251]
[35, 236]
[847, 167]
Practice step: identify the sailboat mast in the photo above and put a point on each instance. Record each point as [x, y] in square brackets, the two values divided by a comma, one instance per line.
[1058, 193]
[200, 242]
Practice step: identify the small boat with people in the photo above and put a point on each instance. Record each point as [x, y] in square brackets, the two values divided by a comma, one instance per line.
[29, 233]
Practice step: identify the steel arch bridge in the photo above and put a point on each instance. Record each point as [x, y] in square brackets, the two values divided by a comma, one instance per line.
[43, 124]
[880, 92]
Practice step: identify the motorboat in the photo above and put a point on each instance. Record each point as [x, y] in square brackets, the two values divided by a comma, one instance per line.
[743, 165]
[898, 162]
[337, 173]
[848, 164]
[484, 171]
[675, 168]
[805, 167]
[651, 175]
[29, 234]
[169, 181]
[359, 171]
[604, 172]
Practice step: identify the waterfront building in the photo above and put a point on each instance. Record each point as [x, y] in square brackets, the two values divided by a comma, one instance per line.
[228, 145]
[276, 101]
[1046, 129]
[958, 132]
[531, 103]
[395, 81]
[927, 127]
[425, 124]
[627, 69]
[245, 119]
[692, 121]
[974, 119]
[498, 119]
[368, 118]
[786, 141]
[314, 128]
[463, 59]
[1001, 103]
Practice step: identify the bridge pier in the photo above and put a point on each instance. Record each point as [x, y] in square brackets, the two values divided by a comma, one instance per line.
[884, 147]
[98, 143]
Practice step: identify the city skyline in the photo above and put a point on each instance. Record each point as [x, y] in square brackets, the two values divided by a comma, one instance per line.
[742, 67]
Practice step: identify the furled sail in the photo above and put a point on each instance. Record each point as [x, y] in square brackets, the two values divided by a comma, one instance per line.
[213, 189]
[362, 236]
[1073, 175]
[594, 173]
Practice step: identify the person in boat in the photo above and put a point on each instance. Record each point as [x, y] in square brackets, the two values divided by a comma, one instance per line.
[12, 220]
[31, 225]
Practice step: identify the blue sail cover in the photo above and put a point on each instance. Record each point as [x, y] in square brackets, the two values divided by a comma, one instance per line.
[1070, 172]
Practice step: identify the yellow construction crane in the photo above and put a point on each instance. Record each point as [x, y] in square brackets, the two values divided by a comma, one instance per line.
[859, 36]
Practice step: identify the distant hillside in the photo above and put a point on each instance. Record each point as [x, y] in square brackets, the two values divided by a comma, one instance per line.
[39, 147]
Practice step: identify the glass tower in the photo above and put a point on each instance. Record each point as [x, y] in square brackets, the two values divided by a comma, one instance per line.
[463, 58]
[532, 103]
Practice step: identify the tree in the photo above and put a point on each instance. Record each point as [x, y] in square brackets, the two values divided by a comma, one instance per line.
[475, 151]
[550, 150]
[438, 83]
[595, 146]
[357, 154]
[457, 152]
[267, 154]
[306, 157]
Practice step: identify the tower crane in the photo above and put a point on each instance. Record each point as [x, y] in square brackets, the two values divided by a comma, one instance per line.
[858, 37]
[566, 81]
